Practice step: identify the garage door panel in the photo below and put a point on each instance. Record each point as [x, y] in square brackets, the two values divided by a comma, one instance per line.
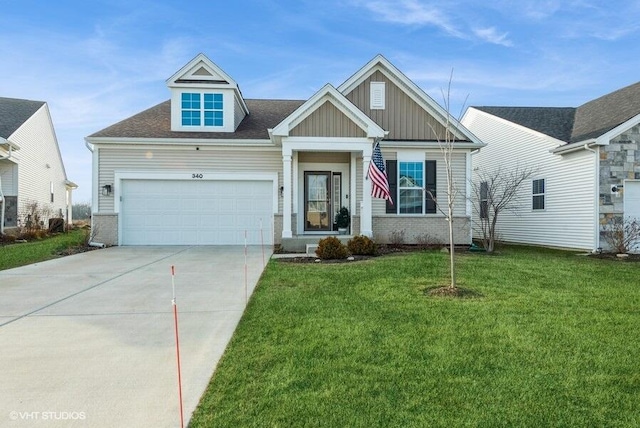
[179, 212]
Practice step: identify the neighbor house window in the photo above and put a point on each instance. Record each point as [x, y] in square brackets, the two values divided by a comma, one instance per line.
[201, 109]
[484, 200]
[412, 186]
[538, 194]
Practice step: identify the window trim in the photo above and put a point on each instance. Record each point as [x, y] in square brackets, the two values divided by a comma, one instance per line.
[540, 195]
[216, 114]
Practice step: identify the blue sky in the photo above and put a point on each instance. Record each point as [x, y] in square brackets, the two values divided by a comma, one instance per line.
[98, 62]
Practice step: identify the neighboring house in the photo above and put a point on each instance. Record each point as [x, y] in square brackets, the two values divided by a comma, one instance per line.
[209, 167]
[587, 160]
[31, 168]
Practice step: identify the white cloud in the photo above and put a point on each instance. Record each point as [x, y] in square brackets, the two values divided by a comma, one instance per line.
[491, 35]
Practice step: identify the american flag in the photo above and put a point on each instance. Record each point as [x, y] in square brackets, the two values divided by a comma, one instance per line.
[378, 176]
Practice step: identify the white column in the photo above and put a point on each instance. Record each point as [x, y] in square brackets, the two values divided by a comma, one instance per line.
[366, 227]
[286, 200]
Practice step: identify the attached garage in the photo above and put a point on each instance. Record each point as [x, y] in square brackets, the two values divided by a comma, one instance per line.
[196, 212]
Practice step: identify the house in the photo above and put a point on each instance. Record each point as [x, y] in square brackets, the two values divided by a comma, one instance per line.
[587, 162]
[31, 168]
[209, 167]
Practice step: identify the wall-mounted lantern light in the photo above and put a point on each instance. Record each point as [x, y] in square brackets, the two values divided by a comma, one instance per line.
[106, 190]
[281, 191]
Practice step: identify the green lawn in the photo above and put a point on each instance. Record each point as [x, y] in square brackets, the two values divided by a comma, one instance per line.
[553, 342]
[39, 250]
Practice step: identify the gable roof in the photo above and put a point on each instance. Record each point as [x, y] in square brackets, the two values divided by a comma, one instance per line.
[589, 121]
[156, 123]
[14, 112]
[328, 94]
[380, 63]
[605, 113]
[557, 122]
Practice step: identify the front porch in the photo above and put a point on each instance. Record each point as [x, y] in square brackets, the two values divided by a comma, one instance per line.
[308, 243]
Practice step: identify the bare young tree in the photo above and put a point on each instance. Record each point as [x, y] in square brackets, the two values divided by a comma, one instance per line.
[492, 193]
[447, 146]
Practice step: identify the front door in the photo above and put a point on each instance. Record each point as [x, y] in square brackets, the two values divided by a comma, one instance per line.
[317, 201]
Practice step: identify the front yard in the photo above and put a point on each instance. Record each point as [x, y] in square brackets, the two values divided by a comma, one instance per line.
[553, 341]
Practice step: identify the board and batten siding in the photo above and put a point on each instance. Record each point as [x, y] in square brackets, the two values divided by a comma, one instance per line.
[568, 220]
[402, 116]
[458, 162]
[327, 121]
[39, 164]
[210, 160]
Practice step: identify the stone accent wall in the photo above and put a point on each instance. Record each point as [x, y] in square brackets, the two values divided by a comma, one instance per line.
[105, 228]
[420, 230]
[619, 160]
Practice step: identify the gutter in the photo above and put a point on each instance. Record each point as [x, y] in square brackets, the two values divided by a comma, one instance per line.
[574, 147]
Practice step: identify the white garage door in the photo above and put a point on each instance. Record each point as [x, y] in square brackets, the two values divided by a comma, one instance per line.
[632, 203]
[187, 212]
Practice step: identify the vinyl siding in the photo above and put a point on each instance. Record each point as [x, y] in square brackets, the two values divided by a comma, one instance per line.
[327, 121]
[39, 148]
[568, 220]
[238, 113]
[459, 177]
[213, 160]
[402, 116]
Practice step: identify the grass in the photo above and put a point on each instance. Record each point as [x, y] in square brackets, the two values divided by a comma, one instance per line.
[553, 341]
[39, 250]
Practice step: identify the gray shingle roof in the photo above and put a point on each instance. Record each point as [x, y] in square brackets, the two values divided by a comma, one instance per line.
[156, 122]
[590, 120]
[14, 112]
[553, 121]
[605, 113]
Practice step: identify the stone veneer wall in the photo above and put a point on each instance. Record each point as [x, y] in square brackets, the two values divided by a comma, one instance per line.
[420, 230]
[105, 228]
[619, 160]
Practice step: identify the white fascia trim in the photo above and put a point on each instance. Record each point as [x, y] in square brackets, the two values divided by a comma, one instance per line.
[179, 142]
[429, 145]
[202, 175]
[331, 94]
[380, 63]
[324, 145]
[605, 138]
[9, 143]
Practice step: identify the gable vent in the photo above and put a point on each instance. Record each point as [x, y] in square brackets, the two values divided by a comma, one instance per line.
[201, 72]
[377, 96]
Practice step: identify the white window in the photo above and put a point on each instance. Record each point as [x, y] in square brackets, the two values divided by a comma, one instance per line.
[377, 96]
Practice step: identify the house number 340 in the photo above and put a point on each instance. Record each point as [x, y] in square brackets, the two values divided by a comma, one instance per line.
[198, 175]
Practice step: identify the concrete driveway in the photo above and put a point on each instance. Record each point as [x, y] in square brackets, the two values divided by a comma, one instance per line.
[89, 339]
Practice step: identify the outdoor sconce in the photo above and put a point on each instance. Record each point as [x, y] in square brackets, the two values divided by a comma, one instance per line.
[106, 190]
[281, 191]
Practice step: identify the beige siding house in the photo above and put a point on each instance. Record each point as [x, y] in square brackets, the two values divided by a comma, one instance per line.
[587, 162]
[31, 167]
[209, 167]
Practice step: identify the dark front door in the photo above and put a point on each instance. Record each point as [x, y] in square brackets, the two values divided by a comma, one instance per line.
[317, 201]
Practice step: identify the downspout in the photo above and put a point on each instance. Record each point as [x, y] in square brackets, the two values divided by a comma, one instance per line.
[2, 200]
[596, 192]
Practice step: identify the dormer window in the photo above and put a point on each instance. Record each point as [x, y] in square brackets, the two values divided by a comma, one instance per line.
[202, 109]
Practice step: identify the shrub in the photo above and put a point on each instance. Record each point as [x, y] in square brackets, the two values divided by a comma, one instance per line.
[622, 234]
[331, 248]
[396, 238]
[361, 245]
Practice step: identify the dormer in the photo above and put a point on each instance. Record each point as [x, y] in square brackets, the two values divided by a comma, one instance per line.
[205, 99]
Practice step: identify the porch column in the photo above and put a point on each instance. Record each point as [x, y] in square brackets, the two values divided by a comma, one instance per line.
[286, 194]
[366, 227]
